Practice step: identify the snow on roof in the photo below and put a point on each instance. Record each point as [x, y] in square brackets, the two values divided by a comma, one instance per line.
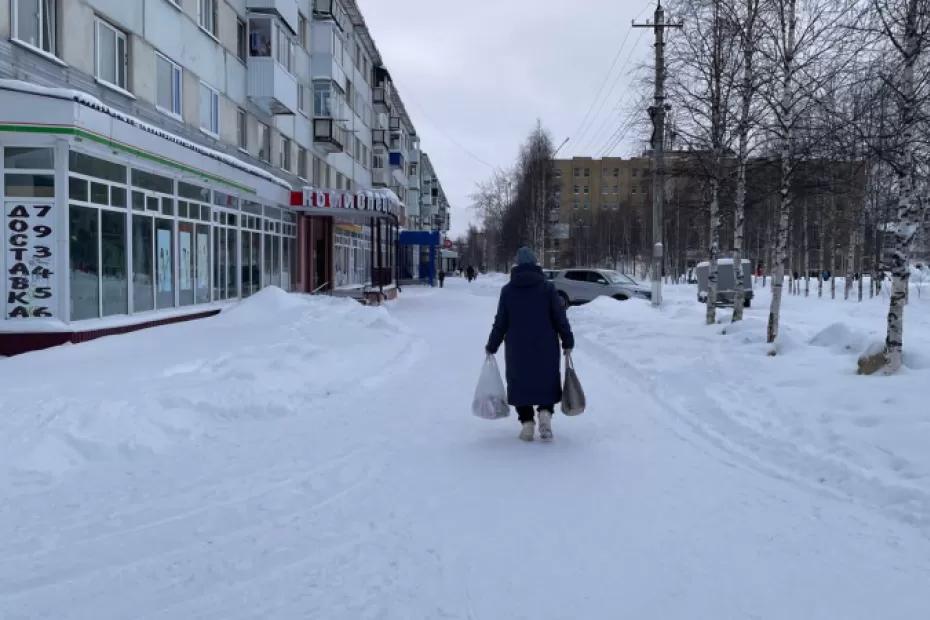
[92, 102]
[723, 261]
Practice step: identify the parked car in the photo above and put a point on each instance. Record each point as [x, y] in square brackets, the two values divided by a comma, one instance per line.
[726, 282]
[579, 286]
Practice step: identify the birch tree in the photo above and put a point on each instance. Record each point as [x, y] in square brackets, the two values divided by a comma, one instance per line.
[704, 62]
[745, 16]
[805, 49]
[904, 25]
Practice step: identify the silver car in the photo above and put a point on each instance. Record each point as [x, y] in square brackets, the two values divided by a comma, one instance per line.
[579, 286]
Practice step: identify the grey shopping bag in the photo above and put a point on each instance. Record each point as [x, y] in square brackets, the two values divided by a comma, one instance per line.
[573, 401]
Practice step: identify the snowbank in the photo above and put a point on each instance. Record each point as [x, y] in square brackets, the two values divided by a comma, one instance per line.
[274, 354]
[804, 413]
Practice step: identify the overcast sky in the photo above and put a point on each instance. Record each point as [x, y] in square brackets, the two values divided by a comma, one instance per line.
[474, 76]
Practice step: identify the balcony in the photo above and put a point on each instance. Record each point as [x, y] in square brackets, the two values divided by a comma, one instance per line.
[397, 160]
[380, 177]
[381, 99]
[379, 136]
[394, 123]
[270, 86]
[285, 9]
[327, 135]
[414, 182]
[330, 9]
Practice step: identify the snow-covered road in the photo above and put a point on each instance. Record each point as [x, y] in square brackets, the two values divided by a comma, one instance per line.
[329, 468]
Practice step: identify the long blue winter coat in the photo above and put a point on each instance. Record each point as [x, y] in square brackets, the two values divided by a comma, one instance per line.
[530, 319]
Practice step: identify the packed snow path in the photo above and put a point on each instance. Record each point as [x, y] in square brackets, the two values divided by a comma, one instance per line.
[303, 472]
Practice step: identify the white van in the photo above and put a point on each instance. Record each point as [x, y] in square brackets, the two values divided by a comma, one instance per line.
[726, 282]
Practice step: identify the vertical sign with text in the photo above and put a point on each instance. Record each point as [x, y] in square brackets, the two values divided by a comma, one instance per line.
[30, 261]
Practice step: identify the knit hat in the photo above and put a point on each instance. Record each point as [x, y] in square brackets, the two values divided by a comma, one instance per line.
[525, 256]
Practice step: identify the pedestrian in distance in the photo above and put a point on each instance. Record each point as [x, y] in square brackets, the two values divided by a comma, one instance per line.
[530, 321]
[470, 273]
[442, 278]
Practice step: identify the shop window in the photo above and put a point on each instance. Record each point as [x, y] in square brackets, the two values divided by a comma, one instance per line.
[193, 192]
[35, 22]
[84, 245]
[77, 189]
[100, 193]
[153, 182]
[115, 283]
[164, 263]
[28, 158]
[231, 281]
[186, 263]
[111, 55]
[168, 84]
[95, 167]
[255, 262]
[29, 185]
[143, 273]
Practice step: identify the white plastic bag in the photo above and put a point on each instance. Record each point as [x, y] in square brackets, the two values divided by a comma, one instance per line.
[490, 400]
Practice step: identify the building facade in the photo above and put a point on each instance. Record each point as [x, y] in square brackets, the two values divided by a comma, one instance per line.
[168, 157]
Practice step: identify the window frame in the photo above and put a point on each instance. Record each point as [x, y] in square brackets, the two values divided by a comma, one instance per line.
[264, 139]
[213, 15]
[242, 39]
[214, 129]
[284, 159]
[52, 29]
[117, 35]
[302, 167]
[242, 130]
[177, 71]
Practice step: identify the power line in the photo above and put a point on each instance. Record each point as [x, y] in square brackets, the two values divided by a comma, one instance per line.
[448, 137]
[611, 92]
[584, 122]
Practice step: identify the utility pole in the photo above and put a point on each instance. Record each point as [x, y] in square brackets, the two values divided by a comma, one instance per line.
[657, 114]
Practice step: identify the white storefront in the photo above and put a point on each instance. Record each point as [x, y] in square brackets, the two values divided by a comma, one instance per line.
[108, 220]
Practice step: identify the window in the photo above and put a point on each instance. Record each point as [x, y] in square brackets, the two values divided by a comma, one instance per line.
[35, 22]
[302, 99]
[302, 162]
[111, 55]
[242, 129]
[284, 157]
[577, 172]
[260, 37]
[209, 110]
[264, 142]
[317, 171]
[587, 172]
[302, 32]
[242, 36]
[285, 48]
[322, 99]
[207, 11]
[168, 85]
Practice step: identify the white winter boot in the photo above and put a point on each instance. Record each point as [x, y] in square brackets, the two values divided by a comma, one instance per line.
[545, 425]
[528, 432]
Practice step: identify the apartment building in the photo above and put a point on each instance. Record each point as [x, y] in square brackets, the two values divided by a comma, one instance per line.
[162, 158]
[605, 210]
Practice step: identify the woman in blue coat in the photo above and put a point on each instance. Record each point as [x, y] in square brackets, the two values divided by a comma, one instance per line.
[530, 320]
